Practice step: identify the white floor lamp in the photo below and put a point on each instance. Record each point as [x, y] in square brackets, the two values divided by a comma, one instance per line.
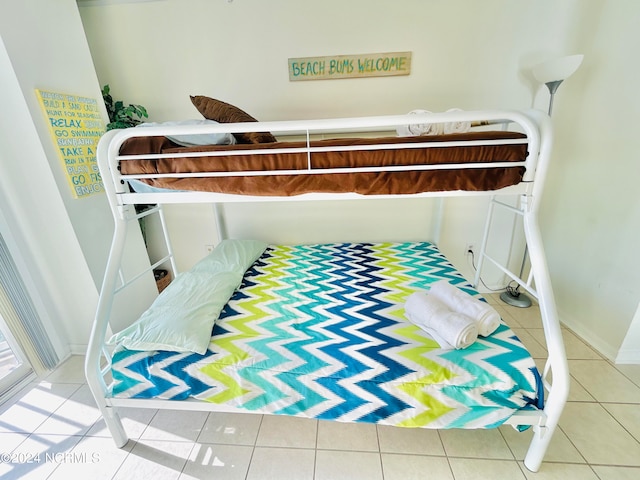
[552, 73]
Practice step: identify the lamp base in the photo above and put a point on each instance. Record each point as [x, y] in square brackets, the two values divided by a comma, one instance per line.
[519, 300]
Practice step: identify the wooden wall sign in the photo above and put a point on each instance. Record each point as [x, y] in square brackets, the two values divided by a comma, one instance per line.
[350, 66]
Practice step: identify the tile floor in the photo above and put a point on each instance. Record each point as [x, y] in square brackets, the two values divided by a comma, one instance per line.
[54, 424]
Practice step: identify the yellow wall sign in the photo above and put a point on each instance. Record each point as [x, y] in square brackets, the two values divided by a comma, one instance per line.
[76, 126]
[350, 66]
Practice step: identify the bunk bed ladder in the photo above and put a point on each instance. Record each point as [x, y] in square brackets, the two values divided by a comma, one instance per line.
[114, 282]
[526, 284]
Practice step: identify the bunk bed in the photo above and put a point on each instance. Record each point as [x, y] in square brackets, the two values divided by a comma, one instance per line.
[322, 331]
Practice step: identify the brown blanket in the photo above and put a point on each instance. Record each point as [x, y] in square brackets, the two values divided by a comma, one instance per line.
[377, 183]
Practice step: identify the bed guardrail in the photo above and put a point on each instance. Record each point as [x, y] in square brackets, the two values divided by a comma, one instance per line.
[535, 125]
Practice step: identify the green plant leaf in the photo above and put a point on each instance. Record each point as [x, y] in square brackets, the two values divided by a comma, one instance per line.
[121, 116]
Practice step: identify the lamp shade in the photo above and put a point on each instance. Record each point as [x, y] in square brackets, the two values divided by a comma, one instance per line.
[557, 69]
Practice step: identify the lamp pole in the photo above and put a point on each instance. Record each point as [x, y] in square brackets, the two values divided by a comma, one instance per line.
[552, 74]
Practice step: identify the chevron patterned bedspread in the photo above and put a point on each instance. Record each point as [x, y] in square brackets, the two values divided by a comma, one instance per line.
[319, 331]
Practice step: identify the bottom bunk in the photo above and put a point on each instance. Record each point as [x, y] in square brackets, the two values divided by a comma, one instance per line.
[321, 331]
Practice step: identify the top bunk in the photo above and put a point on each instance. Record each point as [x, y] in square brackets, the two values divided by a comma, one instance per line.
[418, 154]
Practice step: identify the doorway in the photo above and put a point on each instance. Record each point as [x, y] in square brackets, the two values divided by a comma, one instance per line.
[14, 367]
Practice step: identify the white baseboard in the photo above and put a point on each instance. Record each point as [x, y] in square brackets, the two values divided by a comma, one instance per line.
[605, 349]
[76, 349]
[628, 357]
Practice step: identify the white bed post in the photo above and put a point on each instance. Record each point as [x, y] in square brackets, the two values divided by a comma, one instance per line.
[221, 225]
[92, 366]
[557, 359]
[559, 391]
[438, 210]
[93, 370]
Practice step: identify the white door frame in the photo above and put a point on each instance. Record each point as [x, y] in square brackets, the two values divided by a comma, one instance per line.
[13, 380]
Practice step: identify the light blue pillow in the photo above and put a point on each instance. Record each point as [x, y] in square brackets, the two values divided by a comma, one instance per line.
[182, 316]
[194, 140]
[231, 256]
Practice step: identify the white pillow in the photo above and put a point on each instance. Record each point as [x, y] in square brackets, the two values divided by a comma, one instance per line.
[183, 315]
[194, 140]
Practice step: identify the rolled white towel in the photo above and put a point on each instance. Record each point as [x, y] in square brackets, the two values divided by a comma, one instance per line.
[418, 129]
[432, 315]
[485, 316]
[456, 127]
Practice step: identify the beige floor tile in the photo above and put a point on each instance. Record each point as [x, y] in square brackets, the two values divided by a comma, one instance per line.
[92, 458]
[420, 441]
[134, 421]
[534, 347]
[563, 471]
[493, 299]
[506, 316]
[70, 371]
[616, 473]
[35, 458]
[475, 444]
[604, 382]
[172, 425]
[628, 415]
[74, 417]
[157, 460]
[632, 372]
[560, 449]
[598, 436]
[282, 464]
[32, 407]
[577, 393]
[335, 465]
[575, 348]
[415, 467]
[281, 431]
[362, 437]
[526, 317]
[9, 441]
[231, 428]
[222, 462]
[476, 469]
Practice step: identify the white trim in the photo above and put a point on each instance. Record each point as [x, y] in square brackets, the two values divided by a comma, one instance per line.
[628, 357]
[17, 386]
[100, 3]
[608, 351]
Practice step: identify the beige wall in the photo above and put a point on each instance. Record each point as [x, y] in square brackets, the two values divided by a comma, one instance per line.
[63, 241]
[158, 53]
[466, 54]
[591, 217]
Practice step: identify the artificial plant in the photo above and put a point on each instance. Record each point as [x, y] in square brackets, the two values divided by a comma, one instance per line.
[121, 116]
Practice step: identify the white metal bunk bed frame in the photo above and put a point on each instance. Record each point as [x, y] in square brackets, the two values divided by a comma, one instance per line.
[536, 126]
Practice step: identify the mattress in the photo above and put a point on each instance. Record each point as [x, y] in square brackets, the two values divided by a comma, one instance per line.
[467, 148]
[319, 331]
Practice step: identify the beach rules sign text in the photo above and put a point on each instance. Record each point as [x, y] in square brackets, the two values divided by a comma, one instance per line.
[75, 125]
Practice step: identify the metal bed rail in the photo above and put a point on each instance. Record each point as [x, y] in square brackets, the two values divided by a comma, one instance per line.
[534, 124]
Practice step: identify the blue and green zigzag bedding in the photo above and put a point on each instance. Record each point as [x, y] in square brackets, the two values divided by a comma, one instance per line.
[319, 331]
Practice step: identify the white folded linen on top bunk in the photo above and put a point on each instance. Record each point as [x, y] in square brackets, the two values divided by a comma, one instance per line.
[419, 128]
[485, 316]
[456, 127]
[422, 129]
[450, 329]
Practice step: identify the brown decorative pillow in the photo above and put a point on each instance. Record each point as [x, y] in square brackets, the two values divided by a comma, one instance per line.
[223, 112]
